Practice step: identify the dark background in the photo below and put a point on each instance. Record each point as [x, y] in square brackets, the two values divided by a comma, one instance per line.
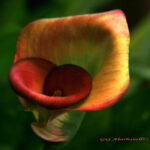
[129, 118]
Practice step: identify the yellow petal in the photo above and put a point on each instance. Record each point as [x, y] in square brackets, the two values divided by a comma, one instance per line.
[112, 80]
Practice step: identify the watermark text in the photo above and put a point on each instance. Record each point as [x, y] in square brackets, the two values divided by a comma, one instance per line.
[115, 139]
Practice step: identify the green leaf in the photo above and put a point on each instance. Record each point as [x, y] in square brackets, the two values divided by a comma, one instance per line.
[84, 6]
[65, 8]
[12, 11]
[140, 49]
[7, 48]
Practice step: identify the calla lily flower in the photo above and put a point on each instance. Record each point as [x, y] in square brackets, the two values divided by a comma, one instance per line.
[77, 63]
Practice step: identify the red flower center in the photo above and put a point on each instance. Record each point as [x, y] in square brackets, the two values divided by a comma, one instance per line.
[48, 85]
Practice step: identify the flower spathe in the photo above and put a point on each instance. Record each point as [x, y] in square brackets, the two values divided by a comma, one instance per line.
[93, 46]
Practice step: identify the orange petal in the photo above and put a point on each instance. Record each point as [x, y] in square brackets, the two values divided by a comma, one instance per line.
[98, 43]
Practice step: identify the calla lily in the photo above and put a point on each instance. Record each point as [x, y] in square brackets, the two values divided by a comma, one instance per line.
[77, 63]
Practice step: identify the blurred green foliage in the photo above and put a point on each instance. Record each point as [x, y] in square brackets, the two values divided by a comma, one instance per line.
[130, 117]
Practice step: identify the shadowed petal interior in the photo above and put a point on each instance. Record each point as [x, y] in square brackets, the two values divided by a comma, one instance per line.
[112, 80]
